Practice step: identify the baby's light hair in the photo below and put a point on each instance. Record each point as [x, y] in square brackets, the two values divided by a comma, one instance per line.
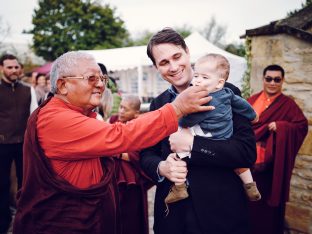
[222, 64]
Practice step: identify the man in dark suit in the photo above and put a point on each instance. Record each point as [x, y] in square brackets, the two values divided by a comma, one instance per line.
[217, 203]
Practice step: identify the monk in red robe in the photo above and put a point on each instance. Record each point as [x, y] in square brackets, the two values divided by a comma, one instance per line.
[279, 132]
[131, 180]
[69, 183]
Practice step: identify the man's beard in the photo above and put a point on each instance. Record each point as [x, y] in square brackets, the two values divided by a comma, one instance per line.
[12, 78]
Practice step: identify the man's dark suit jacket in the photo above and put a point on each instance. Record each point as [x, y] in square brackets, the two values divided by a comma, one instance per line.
[216, 192]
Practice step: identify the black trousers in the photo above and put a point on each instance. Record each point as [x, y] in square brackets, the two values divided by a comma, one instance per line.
[8, 153]
[181, 219]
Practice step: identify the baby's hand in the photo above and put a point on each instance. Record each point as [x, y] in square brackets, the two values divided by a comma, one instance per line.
[256, 119]
[181, 141]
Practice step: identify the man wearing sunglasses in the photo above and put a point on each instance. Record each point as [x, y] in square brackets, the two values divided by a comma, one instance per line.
[279, 132]
[69, 180]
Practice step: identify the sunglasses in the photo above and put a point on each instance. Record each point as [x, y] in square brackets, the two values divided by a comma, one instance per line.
[269, 79]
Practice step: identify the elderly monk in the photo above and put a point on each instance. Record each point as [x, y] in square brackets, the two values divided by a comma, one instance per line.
[69, 184]
[279, 132]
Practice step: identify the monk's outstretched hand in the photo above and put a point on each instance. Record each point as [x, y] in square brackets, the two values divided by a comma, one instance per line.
[193, 99]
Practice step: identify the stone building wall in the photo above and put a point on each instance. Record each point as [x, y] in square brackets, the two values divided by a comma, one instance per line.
[295, 56]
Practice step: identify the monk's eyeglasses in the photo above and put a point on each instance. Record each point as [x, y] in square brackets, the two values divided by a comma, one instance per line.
[92, 79]
[269, 79]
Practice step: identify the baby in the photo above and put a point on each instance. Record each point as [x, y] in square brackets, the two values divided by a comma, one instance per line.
[212, 71]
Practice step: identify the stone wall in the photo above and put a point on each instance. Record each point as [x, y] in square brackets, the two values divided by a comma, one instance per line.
[295, 56]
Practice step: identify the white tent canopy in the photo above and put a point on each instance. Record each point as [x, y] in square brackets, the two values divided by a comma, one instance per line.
[121, 58]
[132, 57]
[199, 46]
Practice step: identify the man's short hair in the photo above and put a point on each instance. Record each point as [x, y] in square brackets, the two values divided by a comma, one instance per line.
[7, 57]
[166, 35]
[65, 65]
[274, 67]
[222, 64]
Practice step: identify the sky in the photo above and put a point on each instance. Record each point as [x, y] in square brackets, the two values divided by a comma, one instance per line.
[153, 15]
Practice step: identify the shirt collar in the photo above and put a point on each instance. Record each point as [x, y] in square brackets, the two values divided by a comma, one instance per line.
[270, 98]
[173, 91]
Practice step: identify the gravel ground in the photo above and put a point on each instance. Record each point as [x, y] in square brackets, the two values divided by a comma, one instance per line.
[151, 195]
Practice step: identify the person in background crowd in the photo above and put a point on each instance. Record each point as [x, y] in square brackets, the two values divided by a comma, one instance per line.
[132, 182]
[17, 101]
[106, 105]
[279, 132]
[112, 93]
[22, 73]
[107, 102]
[69, 181]
[33, 78]
[48, 81]
[48, 88]
[27, 78]
[217, 203]
[41, 87]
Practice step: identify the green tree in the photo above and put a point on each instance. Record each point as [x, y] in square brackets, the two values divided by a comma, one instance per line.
[214, 32]
[4, 31]
[184, 30]
[61, 26]
[238, 49]
[303, 5]
[144, 36]
[246, 89]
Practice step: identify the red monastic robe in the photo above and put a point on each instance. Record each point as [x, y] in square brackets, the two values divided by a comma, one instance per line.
[281, 148]
[49, 200]
[50, 204]
[133, 185]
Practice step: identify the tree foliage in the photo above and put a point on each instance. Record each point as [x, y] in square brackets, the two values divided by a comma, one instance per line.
[4, 31]
[303, 5]
[184, 30]
[238, 49]
[213, 31]
[61, 26]
[143, 37]
[246, 89]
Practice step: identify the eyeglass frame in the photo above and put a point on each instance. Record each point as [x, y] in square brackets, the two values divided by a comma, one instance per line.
[277, 80]
[104, 80]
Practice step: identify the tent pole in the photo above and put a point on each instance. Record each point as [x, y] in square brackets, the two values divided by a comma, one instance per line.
[140, 81]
